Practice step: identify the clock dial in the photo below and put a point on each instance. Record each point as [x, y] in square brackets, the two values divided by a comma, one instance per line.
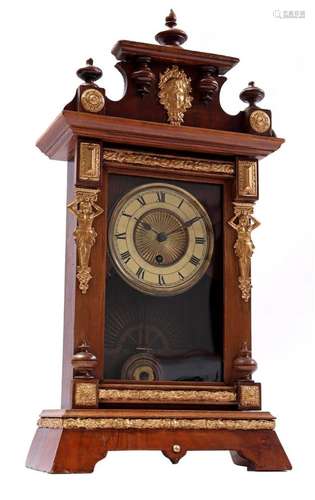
[160, 239]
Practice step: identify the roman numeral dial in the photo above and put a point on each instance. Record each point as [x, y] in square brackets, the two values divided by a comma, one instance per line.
[160, 239]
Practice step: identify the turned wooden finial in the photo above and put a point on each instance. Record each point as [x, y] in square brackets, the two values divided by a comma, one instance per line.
[252, 94]
[244, 365]
[90, 73]
[143, 76]
[170, 20]
[83, 361]
[208, 84]
[172, 36]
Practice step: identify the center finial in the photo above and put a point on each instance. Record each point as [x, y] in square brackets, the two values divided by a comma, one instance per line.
[172, 36]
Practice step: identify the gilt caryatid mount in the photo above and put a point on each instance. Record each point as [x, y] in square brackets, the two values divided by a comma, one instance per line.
[161, 192]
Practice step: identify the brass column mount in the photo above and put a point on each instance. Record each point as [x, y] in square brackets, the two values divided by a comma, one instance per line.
[244, 223]
[85, 208]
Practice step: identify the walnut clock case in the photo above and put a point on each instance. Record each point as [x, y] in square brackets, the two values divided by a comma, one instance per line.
[157, 334]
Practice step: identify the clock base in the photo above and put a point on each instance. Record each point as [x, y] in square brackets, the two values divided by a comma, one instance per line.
[73, 441]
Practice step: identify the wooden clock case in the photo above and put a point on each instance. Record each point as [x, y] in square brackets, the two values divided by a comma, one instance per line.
[140, 137]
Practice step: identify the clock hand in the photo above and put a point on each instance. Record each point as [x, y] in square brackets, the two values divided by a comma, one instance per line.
[147, 226]
[188, 223]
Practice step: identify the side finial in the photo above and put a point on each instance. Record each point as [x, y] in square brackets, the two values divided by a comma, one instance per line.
[90, 73]
[252, 94]
[244, 365]
[83, 361]
[172, 36]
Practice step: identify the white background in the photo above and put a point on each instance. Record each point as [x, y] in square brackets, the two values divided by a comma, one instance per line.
[43, 43]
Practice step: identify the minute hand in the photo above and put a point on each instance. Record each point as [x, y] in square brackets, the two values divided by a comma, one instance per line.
[188, 223]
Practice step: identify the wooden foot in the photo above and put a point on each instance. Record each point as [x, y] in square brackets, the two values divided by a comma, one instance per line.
[69, 441]
[66, 451]
[263, 452]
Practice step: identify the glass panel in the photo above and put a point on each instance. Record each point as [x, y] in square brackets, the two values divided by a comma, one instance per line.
[167, 338]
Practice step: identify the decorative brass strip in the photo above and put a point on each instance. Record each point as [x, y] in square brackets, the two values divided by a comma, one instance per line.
[85, 208]
[247, 178]
[175, 94]
[85, 394]
[175, 163]
[250, 396]
[160, 395]
[244, 223]
[155, 423]
[90, 161]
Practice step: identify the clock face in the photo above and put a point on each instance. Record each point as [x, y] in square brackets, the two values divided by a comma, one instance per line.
[160, 239]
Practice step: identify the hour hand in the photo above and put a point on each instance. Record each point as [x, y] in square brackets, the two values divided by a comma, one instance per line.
[147, 226]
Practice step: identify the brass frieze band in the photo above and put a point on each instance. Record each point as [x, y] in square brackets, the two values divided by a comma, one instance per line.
[247, 178]
[86, 209]
[155, 423]
[174, 163]
[244, 223]
[90, 161]
[172, 395]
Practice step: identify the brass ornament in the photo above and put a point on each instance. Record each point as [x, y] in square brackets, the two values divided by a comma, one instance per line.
[89, 161]
[161, 395]
[174, 94]
[169, 162]
[247, 178]
[85, 208]
[92, 100]
[244, 223]
[155, 423]
[85, 394]
[249, 396]
[259, 121]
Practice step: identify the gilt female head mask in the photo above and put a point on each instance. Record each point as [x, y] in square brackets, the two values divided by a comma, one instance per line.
[174, 95]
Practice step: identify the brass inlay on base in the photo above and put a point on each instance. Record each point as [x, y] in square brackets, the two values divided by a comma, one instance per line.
[250, 396]
[85, 394]
[155, 423]
[160, 395]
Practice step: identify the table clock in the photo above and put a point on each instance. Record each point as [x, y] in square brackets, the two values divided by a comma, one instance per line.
[157, 331]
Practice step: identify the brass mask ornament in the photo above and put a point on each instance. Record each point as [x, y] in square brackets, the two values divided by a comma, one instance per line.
[174, 95]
